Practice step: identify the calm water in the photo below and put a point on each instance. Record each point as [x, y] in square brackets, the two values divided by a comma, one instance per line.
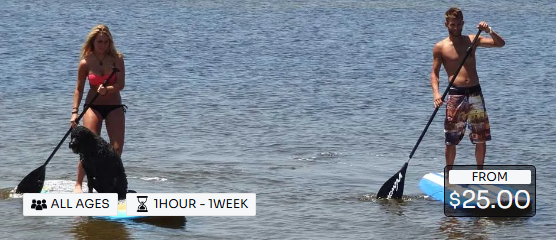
[310, 104]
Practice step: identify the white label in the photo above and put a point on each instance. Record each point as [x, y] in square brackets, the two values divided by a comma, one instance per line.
[70, 204]
[490, 177]
[191, 204]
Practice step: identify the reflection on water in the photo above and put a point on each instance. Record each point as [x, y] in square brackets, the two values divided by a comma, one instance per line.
[475, 227]
[5, 193]
[89, 228]
[462, 228]
[174, 222]
[395, 206]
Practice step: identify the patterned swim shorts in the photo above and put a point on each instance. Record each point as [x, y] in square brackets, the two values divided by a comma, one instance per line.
[466, 107]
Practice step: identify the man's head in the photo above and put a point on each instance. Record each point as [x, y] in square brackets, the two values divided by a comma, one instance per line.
[454, 21]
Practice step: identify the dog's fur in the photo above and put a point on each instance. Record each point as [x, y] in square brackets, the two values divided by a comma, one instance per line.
[103, 166]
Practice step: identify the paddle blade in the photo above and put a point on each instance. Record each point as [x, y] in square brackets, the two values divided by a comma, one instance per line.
[393, 188]
[33, 182]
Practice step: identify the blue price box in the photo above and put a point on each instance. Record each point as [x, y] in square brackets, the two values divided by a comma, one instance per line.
[490, 191]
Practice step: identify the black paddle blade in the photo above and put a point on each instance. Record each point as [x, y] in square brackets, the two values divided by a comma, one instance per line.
[393, 188]
[33, 182]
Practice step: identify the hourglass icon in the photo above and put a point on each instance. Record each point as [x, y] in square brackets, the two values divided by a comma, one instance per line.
[142, 207]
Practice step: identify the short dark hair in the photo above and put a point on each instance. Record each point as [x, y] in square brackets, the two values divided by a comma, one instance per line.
[453, 13]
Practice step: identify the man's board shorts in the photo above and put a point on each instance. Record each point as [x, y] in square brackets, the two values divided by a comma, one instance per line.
[465, 107]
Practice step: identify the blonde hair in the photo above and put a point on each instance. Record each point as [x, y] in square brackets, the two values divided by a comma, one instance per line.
[88, 46]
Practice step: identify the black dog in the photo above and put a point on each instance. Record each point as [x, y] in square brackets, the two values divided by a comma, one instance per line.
[103, 166]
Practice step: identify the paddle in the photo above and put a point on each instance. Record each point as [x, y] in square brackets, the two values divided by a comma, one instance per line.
[34, 181]
[393, 188]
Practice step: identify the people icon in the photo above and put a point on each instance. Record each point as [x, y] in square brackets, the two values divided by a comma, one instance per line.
[38, 204]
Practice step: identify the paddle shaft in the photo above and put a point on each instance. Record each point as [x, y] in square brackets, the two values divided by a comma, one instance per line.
[469, 50]
[114, 71]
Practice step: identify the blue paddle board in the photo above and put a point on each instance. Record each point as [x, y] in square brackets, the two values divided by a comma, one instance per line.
[432, 185]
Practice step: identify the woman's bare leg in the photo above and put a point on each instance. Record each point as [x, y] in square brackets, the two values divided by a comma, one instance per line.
[93, 121]
[115, 127]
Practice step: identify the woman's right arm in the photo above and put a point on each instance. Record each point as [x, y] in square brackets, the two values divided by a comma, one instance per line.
[82, 72]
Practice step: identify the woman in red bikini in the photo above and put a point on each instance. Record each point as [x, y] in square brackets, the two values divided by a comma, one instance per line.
[98, 55]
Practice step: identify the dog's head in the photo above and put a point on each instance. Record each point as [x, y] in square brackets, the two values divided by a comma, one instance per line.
[81, 139]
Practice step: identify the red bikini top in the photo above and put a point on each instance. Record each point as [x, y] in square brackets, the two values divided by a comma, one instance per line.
[98, 79]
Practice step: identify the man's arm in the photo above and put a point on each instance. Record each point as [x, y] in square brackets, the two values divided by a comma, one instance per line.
[436, 63]
[495, 40]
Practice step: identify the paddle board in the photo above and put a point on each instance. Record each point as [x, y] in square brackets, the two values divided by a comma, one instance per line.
[432, 185]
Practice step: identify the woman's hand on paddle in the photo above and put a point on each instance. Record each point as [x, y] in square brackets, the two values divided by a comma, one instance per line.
[437, 100]
[73, 120]
[102, 90]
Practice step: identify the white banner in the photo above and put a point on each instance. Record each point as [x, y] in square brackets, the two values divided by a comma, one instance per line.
[490, 177]
[70, 204]
[191, 204]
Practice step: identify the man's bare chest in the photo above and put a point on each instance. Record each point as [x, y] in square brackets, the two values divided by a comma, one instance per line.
[451, 54]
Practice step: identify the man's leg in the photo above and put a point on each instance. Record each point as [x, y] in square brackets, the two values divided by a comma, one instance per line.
[480, 151]
[450, 154]
[450, 157]
[480, 128]
[454, 127]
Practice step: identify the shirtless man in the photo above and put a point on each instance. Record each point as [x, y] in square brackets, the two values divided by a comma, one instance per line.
[465, 104]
